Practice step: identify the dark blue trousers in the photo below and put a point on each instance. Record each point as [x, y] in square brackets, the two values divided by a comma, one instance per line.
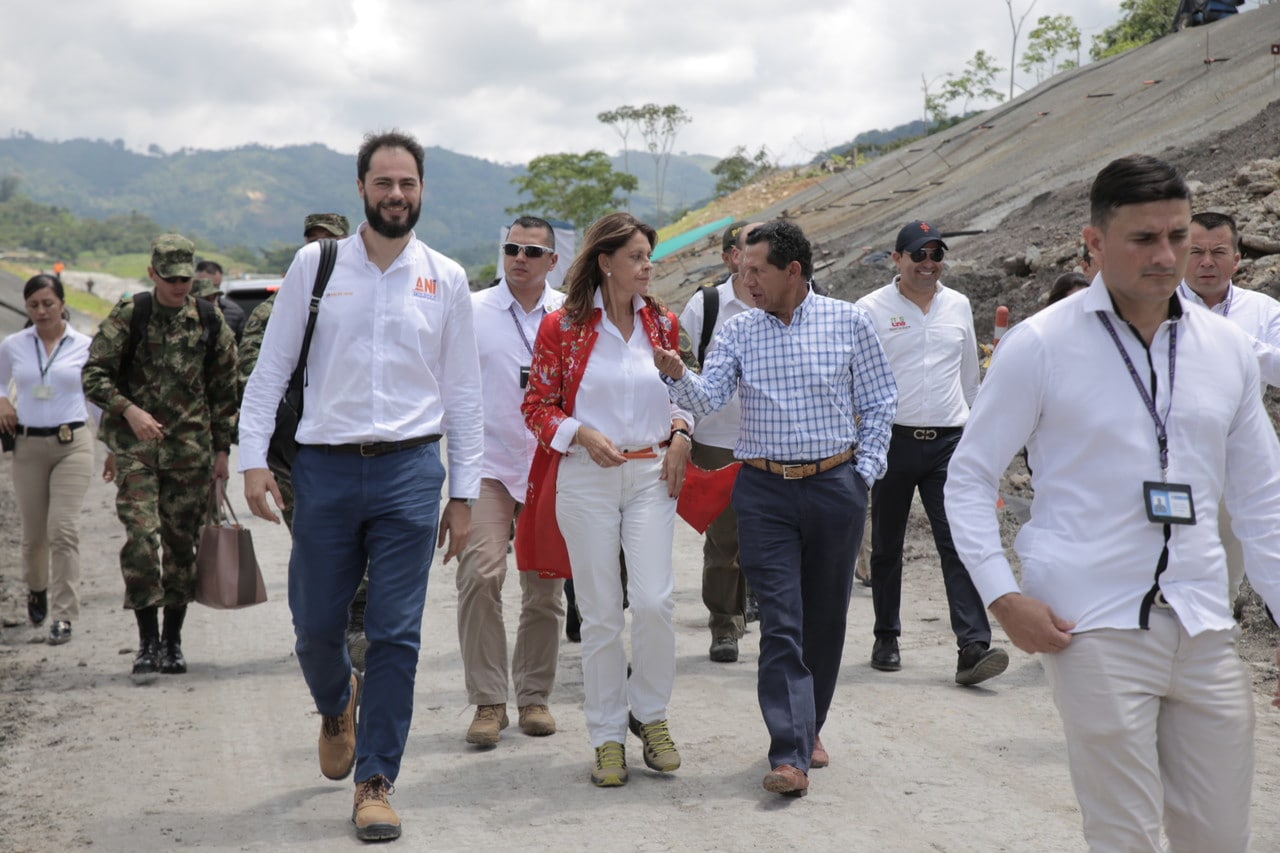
[351, 513]
[915, 464]
[797, 546]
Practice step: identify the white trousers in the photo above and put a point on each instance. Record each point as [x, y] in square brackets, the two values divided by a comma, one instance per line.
[1159, 730]
[602, 511]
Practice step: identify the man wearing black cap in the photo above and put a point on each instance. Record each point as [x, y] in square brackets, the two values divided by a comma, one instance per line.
[927, 333]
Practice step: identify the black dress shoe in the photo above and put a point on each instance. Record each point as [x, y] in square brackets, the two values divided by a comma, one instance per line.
[978, 662]
[171, 660]
[884, 655]
[37, 606]
[59, 633]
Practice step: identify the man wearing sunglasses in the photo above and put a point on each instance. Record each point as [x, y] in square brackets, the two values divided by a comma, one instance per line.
[927, 333]
[507, 317]
[169, 403]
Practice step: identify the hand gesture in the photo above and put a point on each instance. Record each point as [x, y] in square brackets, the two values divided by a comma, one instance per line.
[668, 362]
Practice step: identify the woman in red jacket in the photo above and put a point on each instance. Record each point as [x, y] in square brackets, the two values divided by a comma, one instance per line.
[610, 463]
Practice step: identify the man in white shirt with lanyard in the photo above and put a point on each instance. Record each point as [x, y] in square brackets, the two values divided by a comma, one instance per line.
[392, 366]
[1213, 259]
[1139, 413]
[724, 589]
[927, 333]
[507, 317]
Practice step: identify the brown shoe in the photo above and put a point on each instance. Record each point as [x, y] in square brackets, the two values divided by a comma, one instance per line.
[536, 721]
[373, 816]
[787, 780]
[338, 738]
[488, 722]
[820, 757]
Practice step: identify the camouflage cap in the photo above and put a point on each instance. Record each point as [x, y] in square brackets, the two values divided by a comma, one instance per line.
[202, 286]
[335, 223]
[173, 255]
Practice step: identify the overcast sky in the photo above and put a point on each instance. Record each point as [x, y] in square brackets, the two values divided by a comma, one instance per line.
[505, 80]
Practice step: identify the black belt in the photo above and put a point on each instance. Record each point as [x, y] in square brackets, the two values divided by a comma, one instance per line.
[925, 433]
[47, 431]
[377, 448]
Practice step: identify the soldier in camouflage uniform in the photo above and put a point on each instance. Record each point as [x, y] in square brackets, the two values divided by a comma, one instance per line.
[169, 422]
[317, 226]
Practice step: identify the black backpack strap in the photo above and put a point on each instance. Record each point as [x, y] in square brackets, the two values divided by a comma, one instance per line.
[328, 257]
[710, 311]
[137, 335]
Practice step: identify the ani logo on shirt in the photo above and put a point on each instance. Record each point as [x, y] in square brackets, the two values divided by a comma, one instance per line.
[897, 322]
[425, 288]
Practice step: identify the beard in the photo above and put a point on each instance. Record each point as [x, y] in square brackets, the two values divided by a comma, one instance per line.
[391, 230]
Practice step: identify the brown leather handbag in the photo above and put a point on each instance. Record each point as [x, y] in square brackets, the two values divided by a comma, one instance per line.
[227, 573]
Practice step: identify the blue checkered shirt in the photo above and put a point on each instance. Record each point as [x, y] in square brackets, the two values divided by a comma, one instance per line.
[800, 384]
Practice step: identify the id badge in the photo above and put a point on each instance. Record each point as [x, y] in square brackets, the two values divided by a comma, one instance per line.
[1169, 503]
[524, 377]
[43, 392]
[65, 434]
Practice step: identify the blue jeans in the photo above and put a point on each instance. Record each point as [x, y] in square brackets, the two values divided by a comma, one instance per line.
[796, 545]
[351, 513]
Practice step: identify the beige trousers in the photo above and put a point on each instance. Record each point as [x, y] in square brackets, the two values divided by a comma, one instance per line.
[482, 632]
[50, 481]
[1159, 731]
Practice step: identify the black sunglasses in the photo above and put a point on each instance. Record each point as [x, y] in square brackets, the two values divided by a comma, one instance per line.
[920, 254]
[175, 279]
[530, 252]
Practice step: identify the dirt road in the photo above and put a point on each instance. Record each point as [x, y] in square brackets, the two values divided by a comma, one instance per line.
[224, 757]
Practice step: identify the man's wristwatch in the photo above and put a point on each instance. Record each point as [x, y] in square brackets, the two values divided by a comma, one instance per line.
[682, 432]
[470, 502]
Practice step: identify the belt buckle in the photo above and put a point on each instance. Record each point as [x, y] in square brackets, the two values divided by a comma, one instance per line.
[924, 434]
[64, 433]
[1161, 601]
[366, 449]
[788, 475]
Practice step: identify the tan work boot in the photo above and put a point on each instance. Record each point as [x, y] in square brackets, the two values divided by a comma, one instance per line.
[488, 722]
[610, 769]
[536, 720]
[373, 816]
[338, 738]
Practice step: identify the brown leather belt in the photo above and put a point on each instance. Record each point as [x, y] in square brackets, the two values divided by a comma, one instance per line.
[800, 470]
[650, 452]
[377, 448]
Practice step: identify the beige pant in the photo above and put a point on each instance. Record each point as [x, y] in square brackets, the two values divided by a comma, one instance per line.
[50, 481]
[1159, 730]
[482, 633]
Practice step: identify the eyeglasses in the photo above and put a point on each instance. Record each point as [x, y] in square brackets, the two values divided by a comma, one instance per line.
[933, 254]
[175, 279]
[530, 252]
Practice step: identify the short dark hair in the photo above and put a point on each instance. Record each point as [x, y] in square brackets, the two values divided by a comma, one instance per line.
[1211, 219]
[387, 139]
[209, 266]
[39, 282]
[787, 243]
[1136, 179]
[1067, 284]
[536, 222]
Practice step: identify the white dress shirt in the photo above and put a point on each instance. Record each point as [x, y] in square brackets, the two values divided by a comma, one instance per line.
[20, 362]
[622, 393]
[393, 357]
[934, 355]
[1258, 315]
[505, 333]
[720, 428]
[1058, 385]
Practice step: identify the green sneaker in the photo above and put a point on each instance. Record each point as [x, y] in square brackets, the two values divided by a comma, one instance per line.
[660, 751]
[611, 766]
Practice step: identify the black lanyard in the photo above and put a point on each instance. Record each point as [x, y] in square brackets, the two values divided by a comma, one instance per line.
[1162, 439]
[41, 364]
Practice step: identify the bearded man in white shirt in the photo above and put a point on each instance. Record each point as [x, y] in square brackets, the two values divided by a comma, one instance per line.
[927, 333]
[392, 366]
[507, 317]
[1213, 259]
[1139, 414]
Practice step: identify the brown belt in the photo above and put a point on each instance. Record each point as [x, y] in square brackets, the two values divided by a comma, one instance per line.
[645, 452]
[800, 470]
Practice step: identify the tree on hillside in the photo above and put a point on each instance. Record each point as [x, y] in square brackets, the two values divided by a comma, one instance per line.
[737, 170]
[1053, 35]
[975, 83]
[623, 120]
[579, 188]
[1141, 22]
[1016, 26]
[935, 107]
[8, 186]
[659, 127]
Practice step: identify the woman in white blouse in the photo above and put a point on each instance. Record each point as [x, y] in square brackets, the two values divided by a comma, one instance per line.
[45, 423]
